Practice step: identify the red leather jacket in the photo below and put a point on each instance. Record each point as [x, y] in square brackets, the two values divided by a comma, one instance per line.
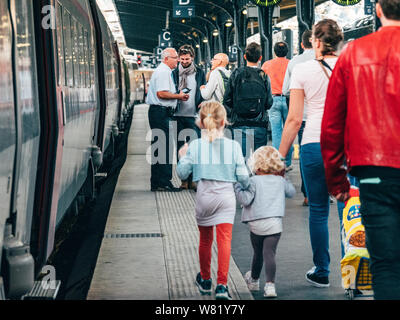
[361, 120]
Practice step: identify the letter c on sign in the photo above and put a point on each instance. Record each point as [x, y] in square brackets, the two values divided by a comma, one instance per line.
[167, 35]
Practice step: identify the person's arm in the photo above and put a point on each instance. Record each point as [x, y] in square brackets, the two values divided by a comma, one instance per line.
[208, 91]
[245, 196]
[242, 174]
[167, 95]
[332, 133]
[290, 190]
[185, 164]
[293, 121]
[286, 82]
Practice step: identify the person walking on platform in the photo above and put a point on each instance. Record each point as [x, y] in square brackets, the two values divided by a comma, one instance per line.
[162, 100]
[310, 81]
[276, 70]
[219, 77]
[247, 100]
[188, 78]
[361, 124]
[307, 55]
[263, 210]
[216, 163]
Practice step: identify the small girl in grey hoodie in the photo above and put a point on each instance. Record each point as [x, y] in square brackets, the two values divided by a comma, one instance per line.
[263, 209]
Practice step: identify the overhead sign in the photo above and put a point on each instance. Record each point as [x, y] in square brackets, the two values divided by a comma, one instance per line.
[346, 3]
[369, 7]
[183, 8]
[233, 53]
[164, 39]
[266, 3]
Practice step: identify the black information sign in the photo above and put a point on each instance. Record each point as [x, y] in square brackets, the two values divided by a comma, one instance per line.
[233, 53]
[368, 7]
[266, 3]
[183, 8]
[165, 40]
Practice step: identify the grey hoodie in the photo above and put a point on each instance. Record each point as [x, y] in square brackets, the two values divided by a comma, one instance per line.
[265, 197]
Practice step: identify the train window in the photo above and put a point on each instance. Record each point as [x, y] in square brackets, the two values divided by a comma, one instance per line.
[60, 45]
[81, 59]
[86, 58]
[75, 52]
[69, 74]
[91, 61]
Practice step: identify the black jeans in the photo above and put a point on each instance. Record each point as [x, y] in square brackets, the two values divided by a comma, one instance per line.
[380, 211]
[161, 169]
[186, 131]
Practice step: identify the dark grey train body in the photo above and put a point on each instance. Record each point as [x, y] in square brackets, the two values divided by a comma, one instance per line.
[65, 94]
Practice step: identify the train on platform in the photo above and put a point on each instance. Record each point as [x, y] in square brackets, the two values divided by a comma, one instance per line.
[66, 94]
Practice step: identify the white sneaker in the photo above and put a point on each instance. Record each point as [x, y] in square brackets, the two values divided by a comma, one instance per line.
[269, 290]
[253, 285]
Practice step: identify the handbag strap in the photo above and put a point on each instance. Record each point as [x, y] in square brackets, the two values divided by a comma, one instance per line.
[322, 63]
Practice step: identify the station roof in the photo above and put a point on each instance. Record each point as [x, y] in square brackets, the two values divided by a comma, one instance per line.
[143, 20]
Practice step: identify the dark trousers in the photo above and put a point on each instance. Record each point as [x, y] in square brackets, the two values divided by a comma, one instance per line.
[300, 136]
[264, 252]
[161, 166]
[187, 131]
[250, 138]
[380, 211]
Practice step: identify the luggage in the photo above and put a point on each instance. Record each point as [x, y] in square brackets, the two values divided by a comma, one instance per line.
[355, 264]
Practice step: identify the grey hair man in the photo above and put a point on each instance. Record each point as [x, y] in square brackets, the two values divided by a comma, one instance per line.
[162, 98]
[215, 88]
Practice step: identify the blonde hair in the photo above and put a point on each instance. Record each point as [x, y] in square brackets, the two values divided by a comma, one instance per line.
[212, 117]
[267, 160]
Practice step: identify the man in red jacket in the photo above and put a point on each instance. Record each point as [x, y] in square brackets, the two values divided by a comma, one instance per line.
[361, 124]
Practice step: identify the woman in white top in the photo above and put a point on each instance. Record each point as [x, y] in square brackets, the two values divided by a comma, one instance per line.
[309, 84]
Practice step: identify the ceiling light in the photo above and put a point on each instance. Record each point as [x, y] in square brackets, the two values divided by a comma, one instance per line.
[228, 23]
[197, 46]
[205, 40]
[244, 11]
[215, 33]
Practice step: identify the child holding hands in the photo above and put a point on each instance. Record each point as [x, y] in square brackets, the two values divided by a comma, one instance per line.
[263, 204]
[216, 163]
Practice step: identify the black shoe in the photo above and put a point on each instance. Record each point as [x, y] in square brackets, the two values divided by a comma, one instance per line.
[203, 285]
[317, 281]
[222, 293]
[169, 188]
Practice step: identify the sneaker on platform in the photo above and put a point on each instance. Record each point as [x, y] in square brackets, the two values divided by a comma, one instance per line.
[222, 293]
[317, 281]
[252, 284]
[203, 285]
[269, 290]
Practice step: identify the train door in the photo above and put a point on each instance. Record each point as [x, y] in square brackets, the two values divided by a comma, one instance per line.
[7, 125]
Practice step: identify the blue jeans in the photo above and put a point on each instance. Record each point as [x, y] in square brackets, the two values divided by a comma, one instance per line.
[251, 139]
[277, 117]
[318, 198]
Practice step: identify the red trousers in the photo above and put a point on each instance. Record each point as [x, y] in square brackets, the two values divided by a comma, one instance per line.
[224, 239]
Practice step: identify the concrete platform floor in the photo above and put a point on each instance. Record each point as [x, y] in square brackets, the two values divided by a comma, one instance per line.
[136, 263]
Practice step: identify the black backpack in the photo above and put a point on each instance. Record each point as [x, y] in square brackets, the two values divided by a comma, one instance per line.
[225, 79]
[250, 93]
